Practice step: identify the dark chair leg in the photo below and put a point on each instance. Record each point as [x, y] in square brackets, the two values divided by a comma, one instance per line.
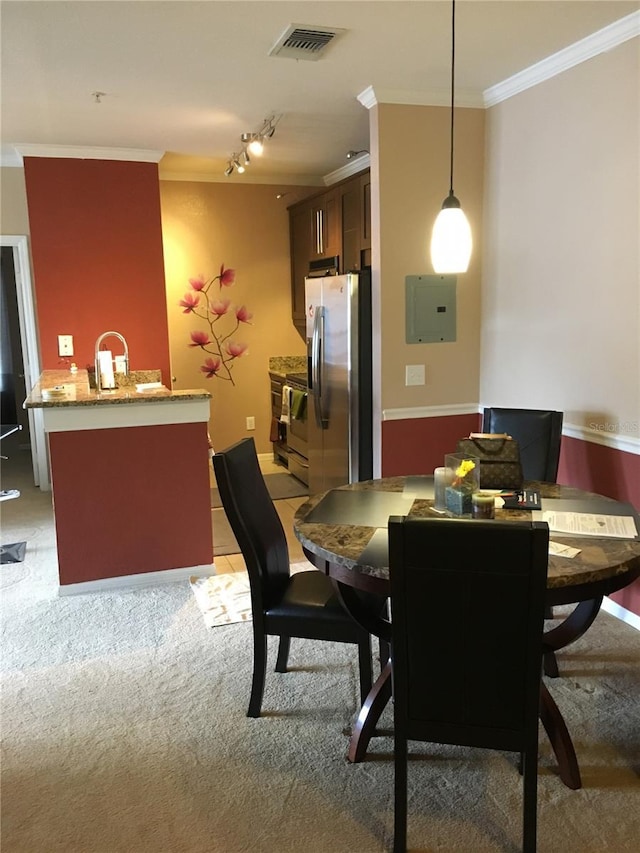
[283, 654]
[400, 795]
[259, 667]
[385, 653]
[530, 807]
[364, 665]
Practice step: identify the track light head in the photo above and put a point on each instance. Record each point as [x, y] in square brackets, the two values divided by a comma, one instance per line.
[252, 144]
[351, 154]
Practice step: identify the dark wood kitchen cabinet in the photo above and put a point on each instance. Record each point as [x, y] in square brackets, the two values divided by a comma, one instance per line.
[334, 223]
[325, 225]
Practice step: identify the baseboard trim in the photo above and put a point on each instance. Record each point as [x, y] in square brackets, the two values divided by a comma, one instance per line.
[126, 582]
[621, 613]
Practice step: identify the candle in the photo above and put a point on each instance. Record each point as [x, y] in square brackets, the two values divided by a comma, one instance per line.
[442, 477]
[483, 505]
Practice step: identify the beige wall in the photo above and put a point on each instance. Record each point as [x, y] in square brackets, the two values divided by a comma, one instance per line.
[561, 279]
[246, 228]
[410, 158]
[13, 202]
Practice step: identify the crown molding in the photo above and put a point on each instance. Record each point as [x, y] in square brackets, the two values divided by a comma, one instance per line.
[80, 152]
[598, 42]
[358, 164]
[214, 178]
[371, 97]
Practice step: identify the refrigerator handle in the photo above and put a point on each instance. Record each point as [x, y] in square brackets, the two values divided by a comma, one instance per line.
[316, 363]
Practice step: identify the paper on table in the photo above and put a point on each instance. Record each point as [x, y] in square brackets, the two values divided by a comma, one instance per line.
[557, 549]
[588, 524]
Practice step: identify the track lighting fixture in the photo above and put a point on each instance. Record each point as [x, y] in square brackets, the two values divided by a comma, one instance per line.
[352, 154]
[252, 143]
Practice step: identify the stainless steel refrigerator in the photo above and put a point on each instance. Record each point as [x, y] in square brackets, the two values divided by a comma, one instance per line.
[338, 315]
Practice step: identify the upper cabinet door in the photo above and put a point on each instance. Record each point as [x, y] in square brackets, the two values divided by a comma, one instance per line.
[351, 210]
[325, 216]
[301, 221]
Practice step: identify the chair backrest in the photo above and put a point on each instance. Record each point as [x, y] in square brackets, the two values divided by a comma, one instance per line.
[254, 521]
[467, 604]
[538, 433]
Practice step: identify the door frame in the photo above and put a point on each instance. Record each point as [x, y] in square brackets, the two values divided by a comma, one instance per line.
[30, 353]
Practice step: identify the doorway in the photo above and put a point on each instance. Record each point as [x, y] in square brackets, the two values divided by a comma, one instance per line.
[20, 354]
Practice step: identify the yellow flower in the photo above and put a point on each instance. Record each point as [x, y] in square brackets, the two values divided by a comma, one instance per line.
[464, 467]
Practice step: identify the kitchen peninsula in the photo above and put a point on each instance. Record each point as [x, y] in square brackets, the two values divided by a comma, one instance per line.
[130, 479]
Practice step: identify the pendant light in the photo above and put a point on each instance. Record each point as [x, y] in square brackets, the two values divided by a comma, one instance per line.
[451, 237]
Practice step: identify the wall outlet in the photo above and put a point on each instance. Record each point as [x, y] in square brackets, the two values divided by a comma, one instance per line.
[65, 345]
[251, 423]
[414, 374]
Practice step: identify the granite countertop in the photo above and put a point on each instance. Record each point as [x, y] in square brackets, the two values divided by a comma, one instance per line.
[343, 544]
[78, 393]
[280, 365]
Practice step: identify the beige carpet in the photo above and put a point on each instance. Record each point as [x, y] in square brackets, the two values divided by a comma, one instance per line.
[124, 731]
[226, 598]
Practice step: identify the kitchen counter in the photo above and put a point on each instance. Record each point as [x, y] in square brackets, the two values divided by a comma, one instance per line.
[130, 480]
[280, 365]
[79, 393]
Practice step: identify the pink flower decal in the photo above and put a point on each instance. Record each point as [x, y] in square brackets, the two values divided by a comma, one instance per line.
[190, 301]
[222, 320]
[220, 307]
[227, 277]
[235, 350]
[210, 367]
[200, 339]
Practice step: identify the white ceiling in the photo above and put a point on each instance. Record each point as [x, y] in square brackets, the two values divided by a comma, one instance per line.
[187, 78]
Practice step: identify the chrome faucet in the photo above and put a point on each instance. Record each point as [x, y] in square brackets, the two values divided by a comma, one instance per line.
[102, 337]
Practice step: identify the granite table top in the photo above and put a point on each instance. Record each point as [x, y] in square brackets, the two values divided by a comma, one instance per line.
[612, 563]
[78, 393]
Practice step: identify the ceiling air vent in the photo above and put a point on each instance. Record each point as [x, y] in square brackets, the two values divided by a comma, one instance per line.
[304, 42]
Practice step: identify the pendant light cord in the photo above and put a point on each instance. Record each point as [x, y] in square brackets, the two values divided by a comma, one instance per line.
[453, 63]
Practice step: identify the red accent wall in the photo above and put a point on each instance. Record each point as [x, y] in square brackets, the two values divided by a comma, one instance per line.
[418, 445]
[96, 245]
[131, 500]
[609, 472]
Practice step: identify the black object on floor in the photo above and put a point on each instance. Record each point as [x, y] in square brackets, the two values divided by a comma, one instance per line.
[13, 553]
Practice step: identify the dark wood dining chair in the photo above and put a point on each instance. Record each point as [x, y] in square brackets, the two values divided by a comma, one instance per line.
[469, 674]
[538, 433]
[300, 605]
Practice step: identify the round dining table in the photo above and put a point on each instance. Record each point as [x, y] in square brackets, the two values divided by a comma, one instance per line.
[343, 534]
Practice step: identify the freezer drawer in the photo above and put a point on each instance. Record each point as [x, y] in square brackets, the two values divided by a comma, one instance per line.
[299, 467]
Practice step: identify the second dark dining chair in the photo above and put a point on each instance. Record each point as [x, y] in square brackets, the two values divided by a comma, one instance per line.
[538, 433]
[300, 605]
[470, 676]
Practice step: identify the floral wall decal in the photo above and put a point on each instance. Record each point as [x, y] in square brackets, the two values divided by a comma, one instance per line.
[223, 321]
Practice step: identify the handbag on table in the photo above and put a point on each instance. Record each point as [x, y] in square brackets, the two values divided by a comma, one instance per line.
[499, 456]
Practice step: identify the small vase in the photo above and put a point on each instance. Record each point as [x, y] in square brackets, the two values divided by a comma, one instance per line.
[458, 500]
[464, 482]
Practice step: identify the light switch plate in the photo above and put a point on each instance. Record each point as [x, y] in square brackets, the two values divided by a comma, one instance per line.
[65, 345]
[414, 374]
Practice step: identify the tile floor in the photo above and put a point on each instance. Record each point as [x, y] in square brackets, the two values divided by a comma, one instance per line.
[286, 510]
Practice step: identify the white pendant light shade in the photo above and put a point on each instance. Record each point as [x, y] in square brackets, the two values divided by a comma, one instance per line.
[451, 241]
